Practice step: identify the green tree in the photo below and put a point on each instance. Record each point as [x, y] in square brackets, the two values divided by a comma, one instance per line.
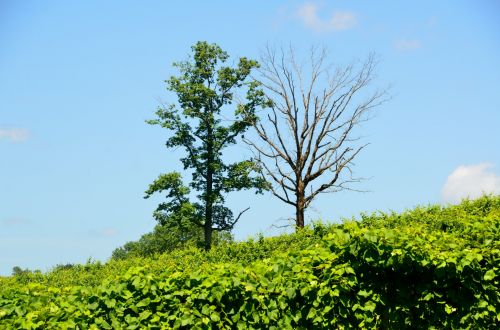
[16, 270]
[205, 92]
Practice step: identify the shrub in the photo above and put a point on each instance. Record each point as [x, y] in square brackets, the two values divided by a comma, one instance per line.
[432, 267]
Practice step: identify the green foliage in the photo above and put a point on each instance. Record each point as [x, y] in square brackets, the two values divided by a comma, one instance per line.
[205, 90]
[431, 267]
[165, 239]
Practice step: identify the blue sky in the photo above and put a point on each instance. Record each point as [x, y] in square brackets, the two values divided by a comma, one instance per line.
[78, 80]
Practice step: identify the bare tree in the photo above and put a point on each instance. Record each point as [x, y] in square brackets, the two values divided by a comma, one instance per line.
[307, 134]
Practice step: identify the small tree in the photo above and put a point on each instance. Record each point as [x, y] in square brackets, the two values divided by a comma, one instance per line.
[16, 270]
[205, 88]
[307, 135]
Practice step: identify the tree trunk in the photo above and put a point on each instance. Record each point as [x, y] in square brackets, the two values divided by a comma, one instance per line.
[208, 227]
[208, 210]
[299, 221]
[299, 215]
[208, 191]
[300, 205]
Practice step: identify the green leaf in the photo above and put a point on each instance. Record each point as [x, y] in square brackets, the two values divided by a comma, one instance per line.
[370, 306]
[489, 275]
[215, 317]
[364, 293]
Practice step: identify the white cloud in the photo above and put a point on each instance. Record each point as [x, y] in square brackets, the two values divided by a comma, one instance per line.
[432, 21]
[108, 232]
[15, 222]
[102, 232]
[470, 181]
[338, 21]
[406, 45]
[14, 134]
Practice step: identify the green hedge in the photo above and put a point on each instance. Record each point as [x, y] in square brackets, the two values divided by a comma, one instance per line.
[187, 259]
[431, 267]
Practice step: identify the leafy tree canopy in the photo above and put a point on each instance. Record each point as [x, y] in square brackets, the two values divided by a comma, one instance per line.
[206, 90]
